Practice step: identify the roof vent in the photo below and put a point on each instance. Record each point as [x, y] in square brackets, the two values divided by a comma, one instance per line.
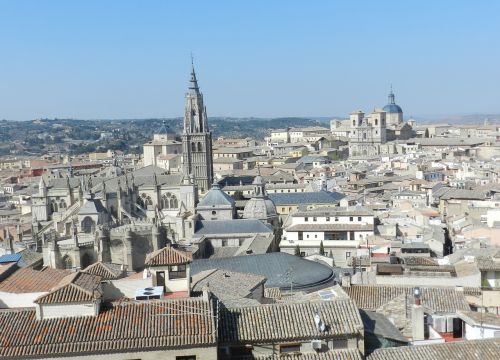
[319, 324]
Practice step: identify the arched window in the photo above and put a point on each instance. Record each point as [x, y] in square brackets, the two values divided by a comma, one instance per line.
[88, 225]
[199, 147]
[174, 204]
[67, 263]
[193, 147]
[354, 123]
[169, 201]
[62, 204]
[376, 122]
[53, 206]
[148, 201]
[166, 201]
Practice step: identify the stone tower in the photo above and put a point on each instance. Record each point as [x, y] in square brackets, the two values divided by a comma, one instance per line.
[196, 139]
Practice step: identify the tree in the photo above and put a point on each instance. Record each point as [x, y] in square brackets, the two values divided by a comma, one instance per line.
[321, 248]
[238, 195]
[297, 250]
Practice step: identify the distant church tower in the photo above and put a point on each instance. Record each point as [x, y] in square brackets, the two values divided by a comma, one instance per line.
[196, 139]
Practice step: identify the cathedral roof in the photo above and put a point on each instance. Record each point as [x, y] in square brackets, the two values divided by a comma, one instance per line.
[261, 208]
[216, 197]
[92, 206]
[233, 226]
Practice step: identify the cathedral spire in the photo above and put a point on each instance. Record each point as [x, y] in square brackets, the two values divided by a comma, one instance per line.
[193, 83]
[196, 137]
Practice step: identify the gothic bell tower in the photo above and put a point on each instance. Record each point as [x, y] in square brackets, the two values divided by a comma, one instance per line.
[196, 138]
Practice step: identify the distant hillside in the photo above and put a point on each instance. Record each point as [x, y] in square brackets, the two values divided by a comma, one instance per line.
[461, 119]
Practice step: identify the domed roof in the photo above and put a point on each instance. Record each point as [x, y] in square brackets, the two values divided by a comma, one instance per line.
[261, 208]
[392, 107]
[216, 197]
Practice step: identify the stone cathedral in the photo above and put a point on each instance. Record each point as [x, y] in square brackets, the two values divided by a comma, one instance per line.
[118, 217]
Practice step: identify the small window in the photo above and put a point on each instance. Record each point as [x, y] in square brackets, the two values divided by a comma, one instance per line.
[359, 218]
[327, 218]
[306, 219]
[301, 235]
[315, 236]
[307, 236]
[177, 272]
[336, 218]
[351, 218]
[347, 254]
[214, 212]
[315, 218]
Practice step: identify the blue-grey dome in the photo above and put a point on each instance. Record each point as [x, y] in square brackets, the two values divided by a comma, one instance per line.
[392, 108]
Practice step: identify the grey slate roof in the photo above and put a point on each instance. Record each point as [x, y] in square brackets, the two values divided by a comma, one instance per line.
[216, 197]
[336, 211]
[233, 226]
[330, 227]
[280, 269]
[319, 197]
[463, 350]
[92, 206]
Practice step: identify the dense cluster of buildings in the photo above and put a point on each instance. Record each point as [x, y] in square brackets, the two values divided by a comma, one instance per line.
[376, 238]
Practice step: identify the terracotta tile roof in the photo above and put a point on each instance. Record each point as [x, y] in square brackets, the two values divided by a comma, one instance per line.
[76, 287]
[107, 271]
[27, 280]
[121, 327]
[289, 322]
[419, 260]
[463, 350]
[439, 300]
[272, 293]
[227, 285]
[168, 256]
[340, 354]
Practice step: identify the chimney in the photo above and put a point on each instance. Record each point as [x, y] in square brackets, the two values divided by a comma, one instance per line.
[417, 316]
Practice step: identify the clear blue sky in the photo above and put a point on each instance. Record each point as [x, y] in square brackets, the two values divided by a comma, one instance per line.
[130, 59]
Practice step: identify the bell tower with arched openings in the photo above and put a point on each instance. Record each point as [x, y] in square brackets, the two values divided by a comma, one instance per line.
[196, 138]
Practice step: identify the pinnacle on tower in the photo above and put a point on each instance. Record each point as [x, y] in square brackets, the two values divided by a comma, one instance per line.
[391, 97]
